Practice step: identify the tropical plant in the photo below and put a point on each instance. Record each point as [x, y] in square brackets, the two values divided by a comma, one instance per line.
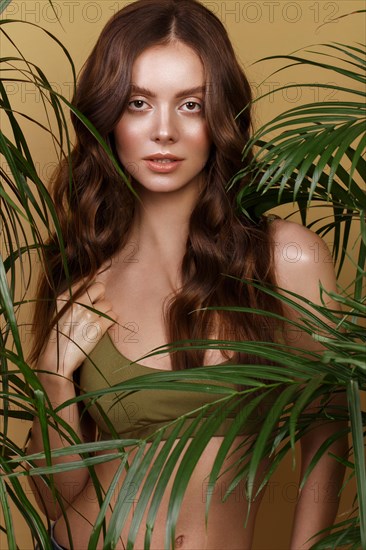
[313, 153]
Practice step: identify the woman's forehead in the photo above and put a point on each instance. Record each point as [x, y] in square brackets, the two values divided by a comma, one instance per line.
[174, 65]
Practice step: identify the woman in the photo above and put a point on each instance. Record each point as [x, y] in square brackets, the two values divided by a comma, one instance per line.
[163, 87]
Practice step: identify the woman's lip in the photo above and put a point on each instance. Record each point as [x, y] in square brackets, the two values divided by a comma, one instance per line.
[162, 156]
[163, 167]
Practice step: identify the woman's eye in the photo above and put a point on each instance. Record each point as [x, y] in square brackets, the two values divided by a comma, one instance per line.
[192, 107]
[137, 105]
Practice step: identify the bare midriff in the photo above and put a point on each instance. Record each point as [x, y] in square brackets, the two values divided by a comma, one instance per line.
[226, 526]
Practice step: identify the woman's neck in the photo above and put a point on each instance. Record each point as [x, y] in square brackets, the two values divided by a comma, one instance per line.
[160, 230]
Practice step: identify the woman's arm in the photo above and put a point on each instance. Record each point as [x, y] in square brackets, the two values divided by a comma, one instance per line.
[318, 501]
[68, 484]
[302, 262]
[59, 360]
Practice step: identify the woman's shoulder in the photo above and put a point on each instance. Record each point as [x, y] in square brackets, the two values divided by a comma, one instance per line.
[302, 259]
[287, 234]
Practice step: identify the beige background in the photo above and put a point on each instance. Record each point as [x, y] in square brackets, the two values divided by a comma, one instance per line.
[258, 29]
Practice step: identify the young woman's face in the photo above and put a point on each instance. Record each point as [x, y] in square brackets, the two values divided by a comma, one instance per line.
[162, 138]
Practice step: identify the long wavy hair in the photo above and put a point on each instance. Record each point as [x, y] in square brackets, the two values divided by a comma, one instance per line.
[225, 250]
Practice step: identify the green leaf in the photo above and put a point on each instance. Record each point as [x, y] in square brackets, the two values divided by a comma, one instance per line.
[150, 483]
[98, 524]
[123, 504]
[303, 400]
[354, 403]
[4, 4]
[7, 516]
[226, 445]
[165, 476]
[269, 425]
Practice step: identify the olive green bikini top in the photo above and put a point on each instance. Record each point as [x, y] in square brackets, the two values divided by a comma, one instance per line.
[138, 414]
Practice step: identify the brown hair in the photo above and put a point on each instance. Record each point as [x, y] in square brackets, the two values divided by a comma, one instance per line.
[95, 209]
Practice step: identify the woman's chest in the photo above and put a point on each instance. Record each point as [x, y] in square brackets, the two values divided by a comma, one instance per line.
[141, 303]
[140, 327]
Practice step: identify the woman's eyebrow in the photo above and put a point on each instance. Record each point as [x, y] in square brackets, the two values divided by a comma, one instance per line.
[182, 93]
[191, 91]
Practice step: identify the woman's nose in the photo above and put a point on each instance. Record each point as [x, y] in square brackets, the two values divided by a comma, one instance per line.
[165, 128]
